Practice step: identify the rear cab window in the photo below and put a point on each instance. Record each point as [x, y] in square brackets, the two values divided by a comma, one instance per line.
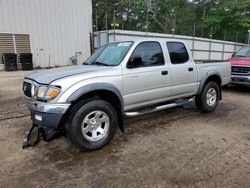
[177, 52]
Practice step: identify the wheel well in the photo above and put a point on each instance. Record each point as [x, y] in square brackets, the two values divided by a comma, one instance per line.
[108, 96]
[216, 79]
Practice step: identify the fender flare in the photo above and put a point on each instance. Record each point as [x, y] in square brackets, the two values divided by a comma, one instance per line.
[100, 86]
[93, 87]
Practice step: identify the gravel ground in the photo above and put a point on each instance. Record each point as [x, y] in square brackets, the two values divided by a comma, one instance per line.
[179, 147]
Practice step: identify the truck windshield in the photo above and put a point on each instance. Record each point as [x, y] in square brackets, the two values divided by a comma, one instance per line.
[110, 54]
[243, 52]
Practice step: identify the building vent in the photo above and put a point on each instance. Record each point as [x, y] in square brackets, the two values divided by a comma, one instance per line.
[14, 43]
[22, 43]
[6, 44]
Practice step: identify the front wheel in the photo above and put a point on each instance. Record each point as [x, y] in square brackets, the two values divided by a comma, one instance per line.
[208, 100]
[92, 125]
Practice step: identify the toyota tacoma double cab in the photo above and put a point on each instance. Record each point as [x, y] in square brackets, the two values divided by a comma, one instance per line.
[121, 79]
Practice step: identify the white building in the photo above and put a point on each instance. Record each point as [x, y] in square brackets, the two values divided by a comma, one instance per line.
[52, 30]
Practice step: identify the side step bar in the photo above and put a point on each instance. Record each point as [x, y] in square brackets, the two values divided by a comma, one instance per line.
[158, 108]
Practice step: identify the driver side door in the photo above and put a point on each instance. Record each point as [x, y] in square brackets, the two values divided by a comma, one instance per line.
[146, 78]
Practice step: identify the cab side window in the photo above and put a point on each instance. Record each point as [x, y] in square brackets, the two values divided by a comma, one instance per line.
[146, 54]
[177, 52]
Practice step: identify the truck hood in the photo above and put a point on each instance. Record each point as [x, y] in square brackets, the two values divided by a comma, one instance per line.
[48, 76]
[240, 61]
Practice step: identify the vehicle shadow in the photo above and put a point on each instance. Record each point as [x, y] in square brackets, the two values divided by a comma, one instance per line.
[237, 89]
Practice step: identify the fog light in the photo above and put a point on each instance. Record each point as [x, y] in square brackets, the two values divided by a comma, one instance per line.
[38, 117]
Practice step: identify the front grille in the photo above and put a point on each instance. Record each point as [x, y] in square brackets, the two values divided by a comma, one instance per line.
[27, 87]
[240, 70]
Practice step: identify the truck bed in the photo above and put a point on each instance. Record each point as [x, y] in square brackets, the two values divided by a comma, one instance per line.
[221, 68]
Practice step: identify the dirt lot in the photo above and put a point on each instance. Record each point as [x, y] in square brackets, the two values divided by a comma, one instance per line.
[180, 147]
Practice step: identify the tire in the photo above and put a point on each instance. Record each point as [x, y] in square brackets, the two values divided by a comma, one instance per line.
[92, 124]
[208, 100]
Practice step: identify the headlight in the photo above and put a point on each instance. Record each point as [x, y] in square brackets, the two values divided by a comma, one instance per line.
[47, 93]
[41, 91]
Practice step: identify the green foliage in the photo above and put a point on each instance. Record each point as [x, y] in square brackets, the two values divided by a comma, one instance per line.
[230, 16]
[219, 19]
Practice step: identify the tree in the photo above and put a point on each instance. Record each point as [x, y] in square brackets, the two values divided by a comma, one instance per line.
[232, 16]
[176, 16]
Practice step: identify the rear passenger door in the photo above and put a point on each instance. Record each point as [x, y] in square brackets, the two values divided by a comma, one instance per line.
[183, 70]
[146, 78]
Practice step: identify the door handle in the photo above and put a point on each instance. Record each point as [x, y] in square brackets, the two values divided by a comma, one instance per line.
[164, 72]
[190, 69]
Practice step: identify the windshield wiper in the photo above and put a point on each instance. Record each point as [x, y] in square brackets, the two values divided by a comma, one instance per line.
[99, 63]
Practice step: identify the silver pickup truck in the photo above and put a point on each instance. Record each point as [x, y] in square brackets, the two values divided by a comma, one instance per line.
[121, 79]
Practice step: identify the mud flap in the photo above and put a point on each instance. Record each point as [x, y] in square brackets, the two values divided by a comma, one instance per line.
[33, 136]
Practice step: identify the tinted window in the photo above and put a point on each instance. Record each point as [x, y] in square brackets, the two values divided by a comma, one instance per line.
[147, 54]
[177, 52]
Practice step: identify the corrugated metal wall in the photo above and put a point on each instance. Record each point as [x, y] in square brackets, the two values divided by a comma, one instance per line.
[57, 28]
[202, 49]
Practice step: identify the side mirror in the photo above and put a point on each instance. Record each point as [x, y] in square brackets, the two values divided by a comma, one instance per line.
[134, 62]
[233, 54]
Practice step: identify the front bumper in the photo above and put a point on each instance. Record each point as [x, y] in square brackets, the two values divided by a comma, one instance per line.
[240, 80]
[45, 114]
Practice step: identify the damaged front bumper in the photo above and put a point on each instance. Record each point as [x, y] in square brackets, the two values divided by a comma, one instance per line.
[46, 114]
[46, 119]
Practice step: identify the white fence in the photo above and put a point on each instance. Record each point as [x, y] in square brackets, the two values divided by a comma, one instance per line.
[202, 49]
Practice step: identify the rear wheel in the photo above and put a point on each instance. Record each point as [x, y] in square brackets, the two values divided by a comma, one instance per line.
[208, 100]
[92, 124]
